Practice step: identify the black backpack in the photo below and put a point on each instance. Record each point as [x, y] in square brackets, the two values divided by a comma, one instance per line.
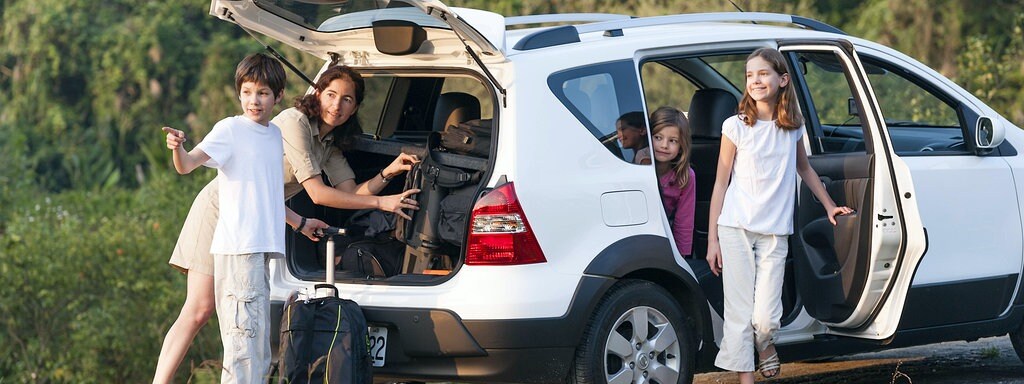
[439, 218]
[324, 339]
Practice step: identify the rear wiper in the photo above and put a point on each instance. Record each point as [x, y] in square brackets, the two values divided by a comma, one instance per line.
[469, 50]
[274, 52]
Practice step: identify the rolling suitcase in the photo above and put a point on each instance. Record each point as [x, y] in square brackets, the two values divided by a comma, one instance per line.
[323, 337]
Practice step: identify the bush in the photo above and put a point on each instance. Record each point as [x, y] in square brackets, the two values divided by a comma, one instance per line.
[90, 295]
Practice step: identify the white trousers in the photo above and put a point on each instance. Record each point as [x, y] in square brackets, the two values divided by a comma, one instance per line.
[241, 285]
[753, 266]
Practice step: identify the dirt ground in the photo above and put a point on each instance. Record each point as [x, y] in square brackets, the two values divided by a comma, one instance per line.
[990, 360]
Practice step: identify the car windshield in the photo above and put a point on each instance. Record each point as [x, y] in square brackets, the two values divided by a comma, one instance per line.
[335, 16]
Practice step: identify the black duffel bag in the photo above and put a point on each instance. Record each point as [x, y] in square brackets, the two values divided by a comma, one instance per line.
[471, 137]
[375, 257]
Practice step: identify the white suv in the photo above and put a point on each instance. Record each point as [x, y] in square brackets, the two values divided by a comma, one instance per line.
[565, 268]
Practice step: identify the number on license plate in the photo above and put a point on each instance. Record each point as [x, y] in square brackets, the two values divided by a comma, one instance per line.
[377, 344]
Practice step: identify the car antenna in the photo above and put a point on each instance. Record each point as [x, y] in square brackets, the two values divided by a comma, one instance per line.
[274, 52]
[739, 9]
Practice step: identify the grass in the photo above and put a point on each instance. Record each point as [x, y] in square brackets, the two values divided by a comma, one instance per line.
[990, 353]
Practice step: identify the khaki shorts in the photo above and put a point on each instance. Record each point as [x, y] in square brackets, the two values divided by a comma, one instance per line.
[192, 251]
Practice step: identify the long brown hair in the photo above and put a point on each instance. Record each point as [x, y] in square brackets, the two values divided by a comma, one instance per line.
[665, 117]
[787, 110]
[309, 104]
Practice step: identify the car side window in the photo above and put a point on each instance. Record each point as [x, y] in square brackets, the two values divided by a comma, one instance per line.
[919, 120]
[664, 86]
[597, 95]
[473, 87]
[828, 102]
[374, 97]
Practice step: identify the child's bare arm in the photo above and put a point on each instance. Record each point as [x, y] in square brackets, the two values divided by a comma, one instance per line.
[726, 158]
[184, 162]
[810, 177]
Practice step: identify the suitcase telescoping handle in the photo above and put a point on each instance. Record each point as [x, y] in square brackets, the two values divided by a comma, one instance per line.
[321, 289]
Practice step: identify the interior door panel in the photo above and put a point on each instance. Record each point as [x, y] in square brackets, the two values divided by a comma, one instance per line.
[831, 262]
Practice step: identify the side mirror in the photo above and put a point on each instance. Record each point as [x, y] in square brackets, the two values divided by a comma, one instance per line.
[988, 134]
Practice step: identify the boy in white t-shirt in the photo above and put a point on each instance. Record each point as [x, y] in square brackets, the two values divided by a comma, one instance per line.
[246, 150]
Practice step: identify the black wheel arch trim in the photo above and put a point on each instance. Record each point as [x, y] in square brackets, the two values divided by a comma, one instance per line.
[650, 257]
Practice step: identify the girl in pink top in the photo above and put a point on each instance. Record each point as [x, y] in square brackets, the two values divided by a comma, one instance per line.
[671, 134]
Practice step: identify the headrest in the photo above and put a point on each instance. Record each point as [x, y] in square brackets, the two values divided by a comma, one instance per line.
[454, 108]
[708, 110]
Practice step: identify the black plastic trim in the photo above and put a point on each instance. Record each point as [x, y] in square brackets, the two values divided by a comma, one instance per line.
[828, 345]
[420, 344]
[565, 331]
[650, 257]
[643, 251]
[565, 34]
[816, 25]
[416, 332]
[957, 302]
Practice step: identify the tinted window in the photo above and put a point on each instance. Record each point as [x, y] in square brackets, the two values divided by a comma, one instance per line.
[919, 120]
[374, 96]
[473, 87]
[829, 103]
[664, 86]
[597, 95]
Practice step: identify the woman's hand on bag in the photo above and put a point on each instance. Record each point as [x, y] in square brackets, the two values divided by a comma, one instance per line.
[402, 163]
[396, 203]
[314, 229]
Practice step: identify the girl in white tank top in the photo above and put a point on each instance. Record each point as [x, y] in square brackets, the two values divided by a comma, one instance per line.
[751, 217]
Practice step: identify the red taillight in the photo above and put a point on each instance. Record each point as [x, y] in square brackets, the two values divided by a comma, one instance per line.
[499, 233]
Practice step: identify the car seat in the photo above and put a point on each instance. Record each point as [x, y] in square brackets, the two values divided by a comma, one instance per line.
[453, 108]
[709, 108]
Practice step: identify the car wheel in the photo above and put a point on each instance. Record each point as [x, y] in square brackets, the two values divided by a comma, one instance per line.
[638, 335]
[1017, 339]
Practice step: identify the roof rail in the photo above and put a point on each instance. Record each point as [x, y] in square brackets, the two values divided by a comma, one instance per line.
[709, 17]
[563, 18]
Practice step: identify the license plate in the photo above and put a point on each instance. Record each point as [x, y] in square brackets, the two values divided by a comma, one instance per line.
[377, 343]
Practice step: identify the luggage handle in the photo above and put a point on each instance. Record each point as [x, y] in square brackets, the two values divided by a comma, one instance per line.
[325, 290]
[330, 233]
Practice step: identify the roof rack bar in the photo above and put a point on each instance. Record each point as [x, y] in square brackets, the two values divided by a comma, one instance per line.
[709, 17]
[564, 18]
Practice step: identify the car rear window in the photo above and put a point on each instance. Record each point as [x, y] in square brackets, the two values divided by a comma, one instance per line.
[597, 95]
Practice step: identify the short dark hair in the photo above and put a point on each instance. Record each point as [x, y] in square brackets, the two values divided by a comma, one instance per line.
[309, 104]
[634, 119]
[263, 69]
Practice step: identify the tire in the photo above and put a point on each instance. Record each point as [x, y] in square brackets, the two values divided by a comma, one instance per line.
[1017, 339]
[612, 352]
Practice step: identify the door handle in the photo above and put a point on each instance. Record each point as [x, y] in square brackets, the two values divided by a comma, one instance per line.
[883, 217]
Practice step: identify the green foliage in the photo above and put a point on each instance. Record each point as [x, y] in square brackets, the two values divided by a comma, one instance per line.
[88, 294]
[992, 69]
[89, 84]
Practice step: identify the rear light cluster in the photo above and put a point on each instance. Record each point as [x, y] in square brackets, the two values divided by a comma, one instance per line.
[499, 233]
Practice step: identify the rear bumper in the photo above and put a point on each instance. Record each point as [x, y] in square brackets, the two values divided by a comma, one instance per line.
[436, 344]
